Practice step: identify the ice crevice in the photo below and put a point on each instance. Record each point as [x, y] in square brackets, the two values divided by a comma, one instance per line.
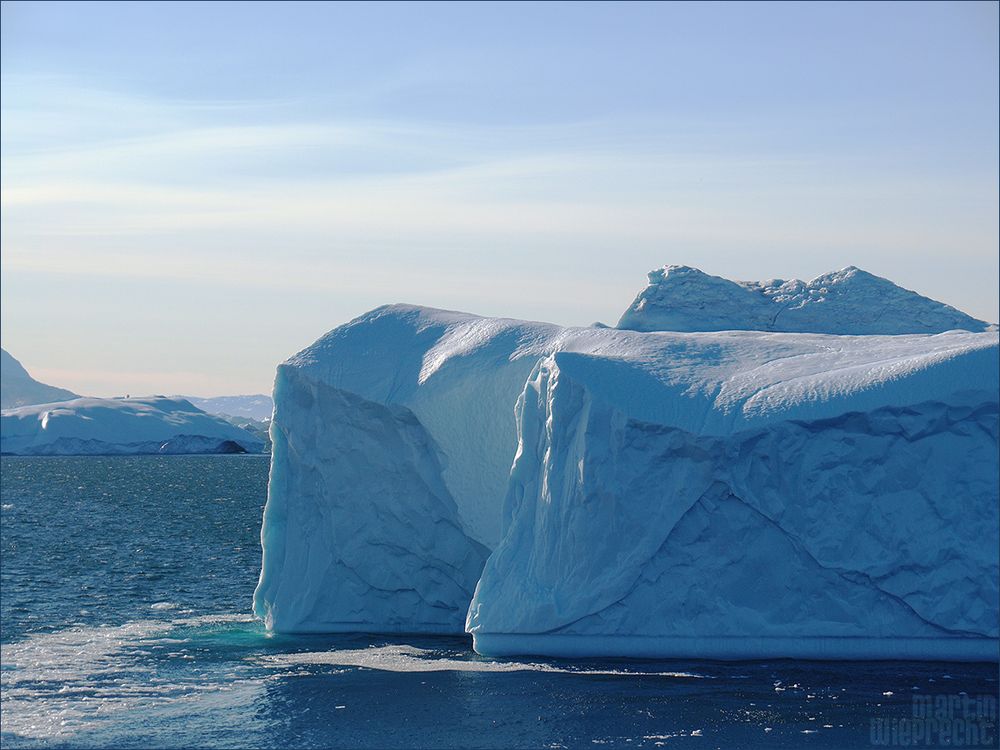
[856, 577]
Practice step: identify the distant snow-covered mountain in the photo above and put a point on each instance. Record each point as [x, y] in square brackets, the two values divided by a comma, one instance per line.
[18, 388]
[120, 426]
[257, 407]
[848, 302]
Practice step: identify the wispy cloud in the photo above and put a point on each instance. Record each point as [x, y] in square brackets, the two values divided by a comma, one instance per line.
[564, 218]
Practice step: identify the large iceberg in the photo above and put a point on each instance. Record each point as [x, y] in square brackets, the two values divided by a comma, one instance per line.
[569, 491]
[119, 426]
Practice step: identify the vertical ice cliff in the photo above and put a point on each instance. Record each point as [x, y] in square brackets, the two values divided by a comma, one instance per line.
[724, 494]
[377, 539]
[847, 509]
[392, 442]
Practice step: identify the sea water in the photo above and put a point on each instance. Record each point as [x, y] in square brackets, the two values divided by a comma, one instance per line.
[125, 591]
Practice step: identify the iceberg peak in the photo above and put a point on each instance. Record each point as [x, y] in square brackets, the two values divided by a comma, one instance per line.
[850, 301]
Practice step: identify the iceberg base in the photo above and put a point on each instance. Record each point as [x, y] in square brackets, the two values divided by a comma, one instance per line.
[737, 648]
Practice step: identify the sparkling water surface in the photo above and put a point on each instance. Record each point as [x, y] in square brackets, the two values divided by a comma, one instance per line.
[125, 591]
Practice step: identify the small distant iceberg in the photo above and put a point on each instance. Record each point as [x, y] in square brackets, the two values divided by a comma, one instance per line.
[120, 426]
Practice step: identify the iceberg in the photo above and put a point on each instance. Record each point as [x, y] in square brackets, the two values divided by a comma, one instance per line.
[600, 491]
[119, 426]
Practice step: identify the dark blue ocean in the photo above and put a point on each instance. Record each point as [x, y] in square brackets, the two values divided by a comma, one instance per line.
[126, 588]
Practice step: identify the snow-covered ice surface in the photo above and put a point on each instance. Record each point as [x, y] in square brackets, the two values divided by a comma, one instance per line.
[119, 426]
[849, 301]
[733, 494]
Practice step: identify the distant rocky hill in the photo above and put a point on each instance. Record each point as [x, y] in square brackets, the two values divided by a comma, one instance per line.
[18, 388]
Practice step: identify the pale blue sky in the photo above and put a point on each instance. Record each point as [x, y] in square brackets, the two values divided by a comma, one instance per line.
[193, 192]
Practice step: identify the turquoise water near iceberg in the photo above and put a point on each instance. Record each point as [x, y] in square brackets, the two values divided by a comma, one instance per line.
[125, 588]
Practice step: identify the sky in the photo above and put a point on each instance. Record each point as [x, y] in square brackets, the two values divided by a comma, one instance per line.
[192, 192]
